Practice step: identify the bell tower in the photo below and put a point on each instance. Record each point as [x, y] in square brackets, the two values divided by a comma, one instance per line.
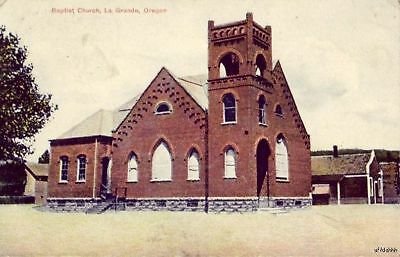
[238, 48]
[239, 74]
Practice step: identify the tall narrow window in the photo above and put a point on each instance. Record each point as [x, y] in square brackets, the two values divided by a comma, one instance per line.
[161, 163]
[132, 169]
[81, 174]
[194, 166]
[229, 108]
[230, 163]
[278, 110]
[261, 110]
[281, 159]
[64, 169]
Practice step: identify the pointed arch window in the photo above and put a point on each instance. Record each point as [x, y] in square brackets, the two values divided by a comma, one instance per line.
[230, 163]
[161, 163]
[278, 110]
[229, 114]
[81, 168]
[64, 165]
[194, 166]
[262, 119]
[132, 168]
[281, 159]
[229, 65]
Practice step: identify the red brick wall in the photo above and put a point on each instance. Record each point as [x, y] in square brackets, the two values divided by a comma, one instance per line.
[244, 137]
[142, 130]
[71, 149]
[246, 133]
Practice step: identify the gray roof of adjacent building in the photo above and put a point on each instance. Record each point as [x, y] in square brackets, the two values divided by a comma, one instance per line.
[38, 169]
[343, 164]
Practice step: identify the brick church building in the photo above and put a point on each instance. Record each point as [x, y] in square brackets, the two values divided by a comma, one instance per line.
[232, 140]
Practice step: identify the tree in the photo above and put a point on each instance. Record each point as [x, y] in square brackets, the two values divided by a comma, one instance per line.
[45, 157]
[23, 109]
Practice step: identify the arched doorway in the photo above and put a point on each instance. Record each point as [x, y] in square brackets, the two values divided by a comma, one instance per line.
[105, 187]
[104, 170]
[263, 153]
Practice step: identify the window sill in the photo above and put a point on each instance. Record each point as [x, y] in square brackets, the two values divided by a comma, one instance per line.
[279, 115]
[193, 179]
[282, 180]
[230, 177]
[63, 182]
[80, 181]
[163, 113]
[263, 124]
[161, 180]
[229, 123]
[131, 181]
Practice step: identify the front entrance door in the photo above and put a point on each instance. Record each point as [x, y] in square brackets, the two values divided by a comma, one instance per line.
[263, 152]
[104, 171]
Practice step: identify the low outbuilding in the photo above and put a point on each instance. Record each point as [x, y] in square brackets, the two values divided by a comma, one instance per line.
[351, 178]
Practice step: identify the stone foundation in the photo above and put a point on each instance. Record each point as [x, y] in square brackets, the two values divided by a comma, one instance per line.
[233, 204]
[215, 205]
[72, 204]
[285, 202]
[165, 204]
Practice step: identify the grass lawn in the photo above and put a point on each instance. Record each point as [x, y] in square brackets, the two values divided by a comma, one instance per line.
[348, 230]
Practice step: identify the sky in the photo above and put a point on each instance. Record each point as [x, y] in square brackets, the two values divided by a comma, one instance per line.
[341, 58]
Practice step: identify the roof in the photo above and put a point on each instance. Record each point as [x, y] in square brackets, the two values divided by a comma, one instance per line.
[103, 122]
[196, 86]
[343, 164]
[38, 169]
[120, 113]
[99, 123]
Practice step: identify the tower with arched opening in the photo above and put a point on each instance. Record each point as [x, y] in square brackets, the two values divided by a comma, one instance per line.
[271, 149]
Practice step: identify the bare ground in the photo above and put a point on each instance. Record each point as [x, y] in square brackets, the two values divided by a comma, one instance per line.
[348, 230]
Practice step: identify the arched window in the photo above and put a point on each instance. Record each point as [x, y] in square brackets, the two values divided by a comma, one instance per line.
[194, 166]
[278, 110]
[64, 163]
[132, 169]
[161, 163]
[230, 163]
[81, 168]
[229, 65]
[262, 119]
[260, 65]
[163, 108]
[229, 108]
[281, 159]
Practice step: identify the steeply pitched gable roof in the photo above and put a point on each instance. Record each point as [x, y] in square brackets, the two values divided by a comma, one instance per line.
[103, 122]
